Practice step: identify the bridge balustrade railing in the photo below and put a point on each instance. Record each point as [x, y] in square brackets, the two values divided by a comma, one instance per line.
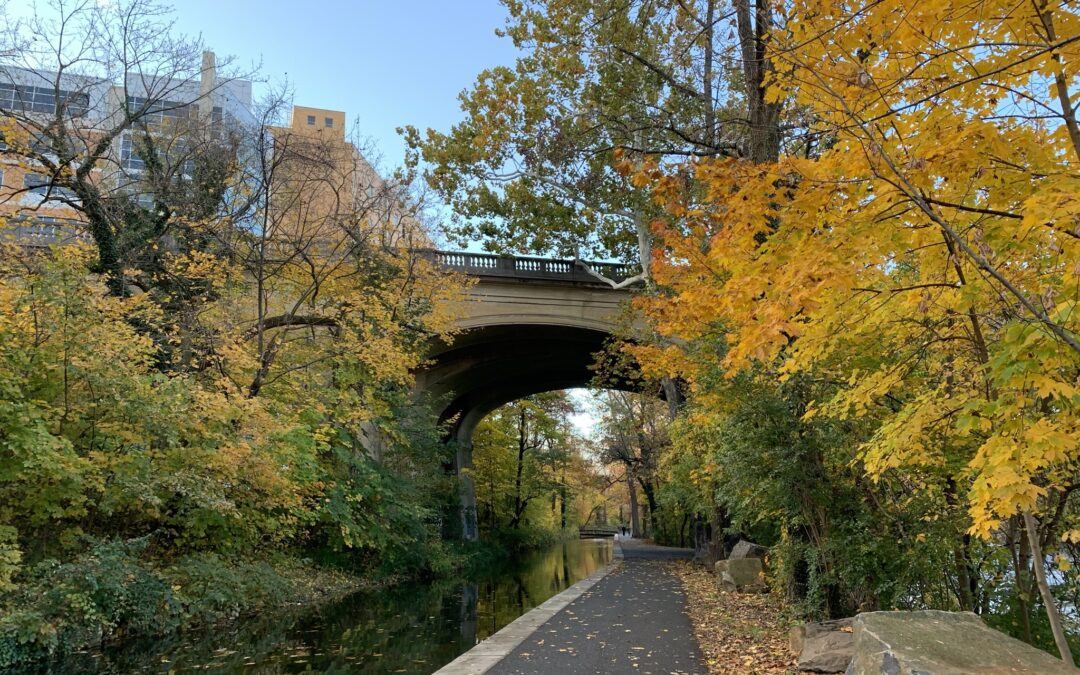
[527, 267]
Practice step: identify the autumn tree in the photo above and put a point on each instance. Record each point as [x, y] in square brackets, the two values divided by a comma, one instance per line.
[324, 256]
[531, 166]
[122, 122]
[634, 433]
[521, 455]
[923, 259]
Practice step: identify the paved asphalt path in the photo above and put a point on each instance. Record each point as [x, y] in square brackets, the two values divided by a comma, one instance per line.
[632, 621]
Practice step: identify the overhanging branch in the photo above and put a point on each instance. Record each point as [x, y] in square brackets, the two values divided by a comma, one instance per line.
[288, 320]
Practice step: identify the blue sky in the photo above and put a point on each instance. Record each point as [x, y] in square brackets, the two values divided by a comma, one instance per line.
[386, 64]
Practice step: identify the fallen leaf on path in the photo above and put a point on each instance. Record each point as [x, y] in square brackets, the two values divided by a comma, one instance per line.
[737, 633]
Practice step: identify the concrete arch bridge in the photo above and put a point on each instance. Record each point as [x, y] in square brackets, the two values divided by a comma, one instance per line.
[529, 325]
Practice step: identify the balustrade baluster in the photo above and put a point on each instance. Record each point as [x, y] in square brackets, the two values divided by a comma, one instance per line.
[505, 265]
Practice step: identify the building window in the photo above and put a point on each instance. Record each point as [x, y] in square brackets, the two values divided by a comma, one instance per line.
[311, 120]
[129, 159]
[217, 119]
[28, 98]
[158, 111]
[329, 122]
[38, 184]
[134, 162]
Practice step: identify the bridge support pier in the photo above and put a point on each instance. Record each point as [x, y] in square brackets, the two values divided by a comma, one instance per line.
[467, 491]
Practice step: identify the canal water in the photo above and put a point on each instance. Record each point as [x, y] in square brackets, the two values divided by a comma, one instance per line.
[412, 628]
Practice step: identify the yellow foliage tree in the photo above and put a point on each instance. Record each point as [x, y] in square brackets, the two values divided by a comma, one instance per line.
[916, 241]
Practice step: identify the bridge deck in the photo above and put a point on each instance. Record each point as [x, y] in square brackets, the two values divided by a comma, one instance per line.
[528, 267]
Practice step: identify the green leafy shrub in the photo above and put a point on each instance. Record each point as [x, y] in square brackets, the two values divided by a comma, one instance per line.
[10, 556]
[210, 589]
[113, 591]
[105, 594]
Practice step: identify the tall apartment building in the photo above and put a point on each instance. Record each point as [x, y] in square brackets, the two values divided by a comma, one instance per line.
[37, 213]
[322, 176]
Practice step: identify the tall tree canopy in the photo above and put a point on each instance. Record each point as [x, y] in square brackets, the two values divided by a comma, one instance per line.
[531, 166]
[923, 255]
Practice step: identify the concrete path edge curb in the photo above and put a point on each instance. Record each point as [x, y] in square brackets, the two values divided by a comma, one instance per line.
[486, 654]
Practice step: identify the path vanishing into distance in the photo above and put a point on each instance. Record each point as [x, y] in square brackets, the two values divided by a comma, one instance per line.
[628, 618]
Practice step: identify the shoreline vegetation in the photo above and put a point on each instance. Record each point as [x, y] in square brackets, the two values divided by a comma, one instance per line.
[112, 596]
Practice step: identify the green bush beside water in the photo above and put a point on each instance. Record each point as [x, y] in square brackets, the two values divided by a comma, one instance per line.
[116, 592]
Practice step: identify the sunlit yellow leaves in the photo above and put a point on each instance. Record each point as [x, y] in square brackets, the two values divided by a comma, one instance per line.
[1058, 207]
[199, 265]
[1063, 563]
[902, 261]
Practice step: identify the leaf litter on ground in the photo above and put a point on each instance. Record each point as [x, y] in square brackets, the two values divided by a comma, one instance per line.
[737, 632]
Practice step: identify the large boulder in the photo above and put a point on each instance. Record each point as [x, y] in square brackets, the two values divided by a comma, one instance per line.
[704, 557]
[825, 647]
[747, 549]
[933, 642]
[742, 575]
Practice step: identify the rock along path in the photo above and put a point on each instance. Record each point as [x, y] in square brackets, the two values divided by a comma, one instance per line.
[631, 621]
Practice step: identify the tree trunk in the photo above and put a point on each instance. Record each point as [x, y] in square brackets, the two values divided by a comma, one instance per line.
[672, 396]
[963, 580]
[1021, 563]
[720, 522]
[764, 118]
[650, 495]
[635, 522]
[522, 438]
[519, 512]
[562, 504]
[104, 239]
[966, 576]
[1044, 589]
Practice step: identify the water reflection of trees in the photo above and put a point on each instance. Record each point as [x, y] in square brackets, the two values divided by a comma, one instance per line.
[415, 628]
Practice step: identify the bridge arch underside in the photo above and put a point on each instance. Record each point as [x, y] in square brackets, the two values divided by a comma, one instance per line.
[490, 366]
